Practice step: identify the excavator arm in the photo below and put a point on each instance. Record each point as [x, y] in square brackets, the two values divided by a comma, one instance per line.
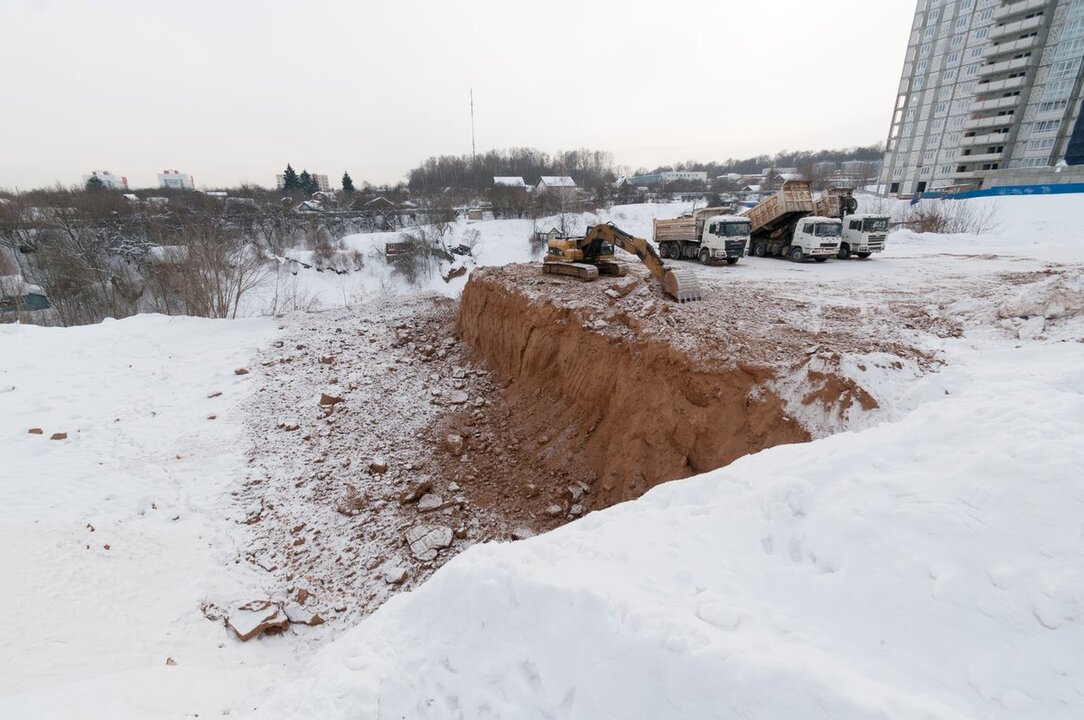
[681, 284]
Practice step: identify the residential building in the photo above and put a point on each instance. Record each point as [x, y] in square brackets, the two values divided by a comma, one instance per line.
[175, 180]
[669, 176]
[987, 85]
[321, 182]
[109, 180]
[560, 184]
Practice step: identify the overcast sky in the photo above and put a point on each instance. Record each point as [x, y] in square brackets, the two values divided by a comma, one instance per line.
[230, 91]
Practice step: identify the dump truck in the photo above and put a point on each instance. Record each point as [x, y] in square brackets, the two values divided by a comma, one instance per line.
[585, 258]
[784, 225]
[864, 234]
[708, 235]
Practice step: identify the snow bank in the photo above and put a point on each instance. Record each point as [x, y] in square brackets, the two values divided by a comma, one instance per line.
[112, 538]
[928, 568]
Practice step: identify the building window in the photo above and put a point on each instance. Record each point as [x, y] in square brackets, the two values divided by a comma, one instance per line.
[950, 75]
[957, 41]
[1046, 126]
[974, 52]
[1057, 90]
[1045, 145]
[894, 187]
[986, 15]
[981, 33]
[1070, 49]
[1063, 69]
[1056, 106]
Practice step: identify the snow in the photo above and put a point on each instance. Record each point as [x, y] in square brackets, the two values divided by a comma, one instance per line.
[557, 181]
[111, 540]
[925, 563]
[509, 181]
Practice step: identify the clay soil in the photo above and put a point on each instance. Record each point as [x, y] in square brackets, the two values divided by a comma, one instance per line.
[530, 402]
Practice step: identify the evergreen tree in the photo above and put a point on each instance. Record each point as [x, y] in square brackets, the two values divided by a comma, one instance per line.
[289, 179]
[94, 183]
[304, 182]
[348, 183]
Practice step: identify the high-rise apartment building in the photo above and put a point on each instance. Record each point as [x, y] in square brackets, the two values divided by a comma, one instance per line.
[987, 85]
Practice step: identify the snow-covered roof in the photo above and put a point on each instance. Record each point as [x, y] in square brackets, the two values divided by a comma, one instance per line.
[508, 181]
[557, 181]
[790, 176]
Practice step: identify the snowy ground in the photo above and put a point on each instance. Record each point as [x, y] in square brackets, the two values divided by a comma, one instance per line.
[929, 566]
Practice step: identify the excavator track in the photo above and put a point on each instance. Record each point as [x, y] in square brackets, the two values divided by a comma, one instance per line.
[682, 285]
[583, 271]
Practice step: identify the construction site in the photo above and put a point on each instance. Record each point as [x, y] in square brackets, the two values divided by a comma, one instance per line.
[389, 438]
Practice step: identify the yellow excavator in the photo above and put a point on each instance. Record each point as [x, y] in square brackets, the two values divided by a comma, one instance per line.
[591, 255]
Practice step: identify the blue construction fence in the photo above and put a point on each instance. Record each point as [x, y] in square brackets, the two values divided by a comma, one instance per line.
[1059, 189]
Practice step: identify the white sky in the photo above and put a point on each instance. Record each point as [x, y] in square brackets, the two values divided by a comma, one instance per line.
[232, 90]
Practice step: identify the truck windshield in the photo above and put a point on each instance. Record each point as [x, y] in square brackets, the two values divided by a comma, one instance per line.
[875, 225]
[828, 230]
[733, 229]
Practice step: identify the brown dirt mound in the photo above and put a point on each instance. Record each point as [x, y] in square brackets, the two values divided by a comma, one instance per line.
[630, 408]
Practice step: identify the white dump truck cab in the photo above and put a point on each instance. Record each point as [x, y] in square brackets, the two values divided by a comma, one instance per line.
[863, 235]
[815, 237]
[724, 237]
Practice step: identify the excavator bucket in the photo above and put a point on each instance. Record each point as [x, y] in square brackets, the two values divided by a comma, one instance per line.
[682, 285]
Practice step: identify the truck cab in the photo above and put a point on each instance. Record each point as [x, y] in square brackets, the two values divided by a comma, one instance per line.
[725, 237]
[816, 237]
[863, 235]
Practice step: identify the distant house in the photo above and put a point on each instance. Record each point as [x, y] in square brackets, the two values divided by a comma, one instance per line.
[558, 184]
[515, 183]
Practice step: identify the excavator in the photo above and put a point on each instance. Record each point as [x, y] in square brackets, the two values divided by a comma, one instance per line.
[589, 256]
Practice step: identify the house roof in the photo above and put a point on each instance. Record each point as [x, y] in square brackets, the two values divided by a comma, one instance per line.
[508, 181]
[557, 181]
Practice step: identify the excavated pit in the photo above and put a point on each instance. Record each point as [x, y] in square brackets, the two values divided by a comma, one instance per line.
[610, 397]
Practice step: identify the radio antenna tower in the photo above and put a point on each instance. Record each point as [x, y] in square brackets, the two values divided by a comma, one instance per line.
[473, 151]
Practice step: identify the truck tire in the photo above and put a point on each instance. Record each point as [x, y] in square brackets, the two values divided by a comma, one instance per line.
[844, 251]
[705, 256]
[850, 205]
[862, 255]
[664, 250]
[675, 251]
[761, 249]
[819, 259]
[731, 261]
[796, 254]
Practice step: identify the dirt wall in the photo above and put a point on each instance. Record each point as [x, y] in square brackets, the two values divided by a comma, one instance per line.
[635, 411]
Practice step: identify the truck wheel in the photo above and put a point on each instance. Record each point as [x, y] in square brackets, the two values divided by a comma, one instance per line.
[664, 250]
[844, 251]
[862, 255]
[705, 256]
[731, 261]
[796, 254]
[675, 251]
[819, 259]
[760, 249]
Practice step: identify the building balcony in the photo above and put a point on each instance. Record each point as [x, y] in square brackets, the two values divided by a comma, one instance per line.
[996, 103]
[989, 122]
[992, 86]
[962, 159]
[987, 139]
[1004, 66]
[1016, 28]
[1010, 48]
[1018, 8]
